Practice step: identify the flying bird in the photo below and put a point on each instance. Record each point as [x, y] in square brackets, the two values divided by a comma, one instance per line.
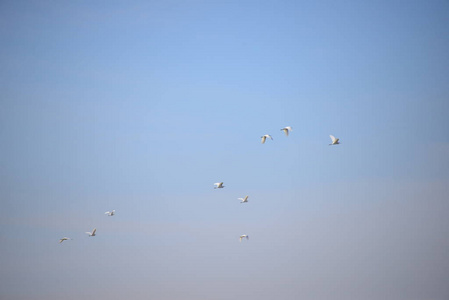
[218, 185]
[244, 236]
[243, 200]
[92, 233]
[64, 239]
[287, 130]
[110, 213]
[335, 141]
[265, 137]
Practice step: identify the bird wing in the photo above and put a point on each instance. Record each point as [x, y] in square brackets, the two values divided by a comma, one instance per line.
[93, 231]
[107, 213]
[263, 139]
[270, 136]
[285, 130]
[332, 138]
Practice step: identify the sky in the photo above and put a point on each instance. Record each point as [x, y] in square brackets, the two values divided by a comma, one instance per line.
[141, 106]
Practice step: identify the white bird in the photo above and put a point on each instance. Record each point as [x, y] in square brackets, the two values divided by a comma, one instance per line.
[243, 200]
[287, 130]
[265, 137]
[92, 233]
[218, 185]
[110, 213]
[64, 239]
[335, 141]
[244, 236]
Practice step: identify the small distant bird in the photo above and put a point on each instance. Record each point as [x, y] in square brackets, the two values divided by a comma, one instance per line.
[265, 137]
[218, 185]
[244, 236]
[64, 239]
[287, 130]
[243, 200]
[110, 213]
[92, 233]
[335, 141]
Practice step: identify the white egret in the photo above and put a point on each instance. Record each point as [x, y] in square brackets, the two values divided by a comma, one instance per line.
[110, 213]
[265, 137]
[335, 141]
[92, 233]
[64, 239]
[244, 236]
[243, 200]
[287, 130]
[218, 185]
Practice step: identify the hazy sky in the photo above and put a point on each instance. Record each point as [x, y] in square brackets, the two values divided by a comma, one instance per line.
[140, 106]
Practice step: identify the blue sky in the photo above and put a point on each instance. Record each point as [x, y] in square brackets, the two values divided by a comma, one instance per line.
[141, 106]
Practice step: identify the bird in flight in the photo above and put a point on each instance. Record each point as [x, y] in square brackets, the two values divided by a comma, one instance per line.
[110, 213]
[64, 239]
[218, 185]
[265, 137]
[243, 200]
[335, 141]
[244, 236]
[92, 233]
[286, 130]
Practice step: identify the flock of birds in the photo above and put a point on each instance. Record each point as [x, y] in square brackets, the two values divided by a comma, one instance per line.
[219, 185]
[286, 130]
[89, 233]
